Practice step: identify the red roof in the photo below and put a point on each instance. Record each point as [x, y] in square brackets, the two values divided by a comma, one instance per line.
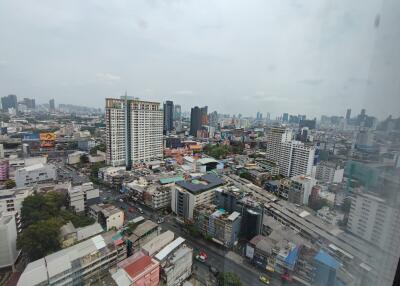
[138, 266]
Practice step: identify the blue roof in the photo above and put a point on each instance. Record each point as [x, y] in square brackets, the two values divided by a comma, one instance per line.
[326, 259]
[292, 256]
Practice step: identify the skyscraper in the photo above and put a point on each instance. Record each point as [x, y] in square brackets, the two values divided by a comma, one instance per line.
[133, 131]
[177, 112]
[9, 101]
[198, 117]
[285, 117]
[348, 115]
[52, 105]
[29, 103]
[168, 116]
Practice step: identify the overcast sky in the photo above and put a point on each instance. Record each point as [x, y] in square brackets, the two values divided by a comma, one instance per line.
[305, 57]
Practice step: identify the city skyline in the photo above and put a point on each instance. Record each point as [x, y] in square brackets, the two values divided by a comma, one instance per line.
[197, 53]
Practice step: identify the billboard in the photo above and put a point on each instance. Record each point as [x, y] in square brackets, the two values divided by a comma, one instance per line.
[47, 140]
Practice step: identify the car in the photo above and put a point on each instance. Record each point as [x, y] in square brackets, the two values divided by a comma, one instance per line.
[130, 210]
[140, 210]
[160, 220]
[121, 200]
[264, 279]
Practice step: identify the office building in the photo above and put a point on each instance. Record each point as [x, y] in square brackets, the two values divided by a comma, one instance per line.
[295, 158]
[348, 115]
[134, 132]
[275, 137]
[80, 197]
[35, 174]
[81, 264]
[9, 101]
[168, 116]
[300, 189]
[52, 105]
[8, 240]
[29, 103]
[177, 115]
[285, 117]
[188, 194]
[137, 270]
[198, 118]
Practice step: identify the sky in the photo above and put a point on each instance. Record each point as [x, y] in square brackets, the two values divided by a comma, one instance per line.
[302, 57]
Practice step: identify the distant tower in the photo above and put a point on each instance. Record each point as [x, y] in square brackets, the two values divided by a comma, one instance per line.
[168, 116]
[348, 115]
[52, 106]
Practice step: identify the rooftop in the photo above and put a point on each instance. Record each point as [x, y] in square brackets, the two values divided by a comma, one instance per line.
[201, 184]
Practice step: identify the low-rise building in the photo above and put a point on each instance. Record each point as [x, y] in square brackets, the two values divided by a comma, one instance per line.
[8, 240]
[108, 216]
[11, 199]
[157, 243]
[137, 270]
[111, 175]
[269, 166]
[75, 157]
[80, 197]
[176, 261]
[143, 233]
[80, 264]
[39, 173]
[221, 226]
[69, 235]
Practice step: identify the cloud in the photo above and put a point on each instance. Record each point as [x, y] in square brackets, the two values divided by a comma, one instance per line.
[107, 77]
[184, 92]
[312, 81]
[142, 24]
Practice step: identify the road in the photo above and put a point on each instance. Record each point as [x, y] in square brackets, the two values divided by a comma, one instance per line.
[219, 258]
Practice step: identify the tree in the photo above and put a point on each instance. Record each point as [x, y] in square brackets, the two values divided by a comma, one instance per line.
[245, 175]
[9, 184]
[40, 239]
[229, 279]
[84, 159]
[101, 147]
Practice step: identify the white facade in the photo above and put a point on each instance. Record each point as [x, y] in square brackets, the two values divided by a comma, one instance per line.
[374, 220]
[11, 200]
[35, 174]
[79, 196]
[134, 131]
[296, 159]
[275, 137]
[178, 267]
[8, 240]
[329, 173]
[1, 151]
[300, 189]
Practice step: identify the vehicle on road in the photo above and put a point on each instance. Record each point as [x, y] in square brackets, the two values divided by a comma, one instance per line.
[140, 210]
[264, 279]
[202, 257]
[160, 220]
[130, 210]
[121, 200]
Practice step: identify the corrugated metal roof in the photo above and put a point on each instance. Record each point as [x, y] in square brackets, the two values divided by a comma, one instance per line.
[169, 248]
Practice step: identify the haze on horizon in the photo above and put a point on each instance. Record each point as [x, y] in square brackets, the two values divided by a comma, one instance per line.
[303, 57]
